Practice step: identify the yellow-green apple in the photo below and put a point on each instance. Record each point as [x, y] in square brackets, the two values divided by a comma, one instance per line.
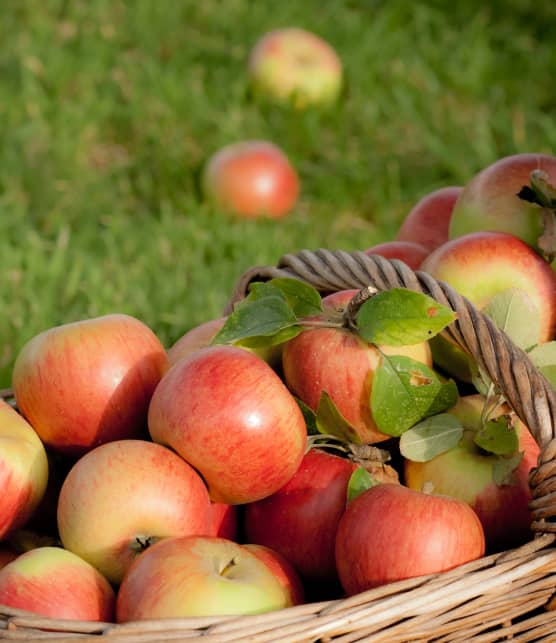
[122, 496]
[482, 264]
[202, 335]
[411, 253]
[23, 470]
[198, 576]
[490, 201]
[226, 412]
[428, 221]
[251, 179]
[224, 520]
[284, 571]
[84, 383]
[390, 533]
[467, 472]
[300, 520]
[340, 363]
[56, 583]
[295, 66]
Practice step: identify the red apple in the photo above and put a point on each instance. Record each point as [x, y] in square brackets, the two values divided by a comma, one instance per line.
[224, 520]
[427, 223]
[226, 412]
[284, 571]
[121, 496]
[390, 533]
[300, 520]
[342, 364]
[84, 383]
[482, 264]
[23, 470]
[251, 179]
[198, 576]
[466, 472]
[411, 253]
[292, 65]
[489, 200]
[55, 583]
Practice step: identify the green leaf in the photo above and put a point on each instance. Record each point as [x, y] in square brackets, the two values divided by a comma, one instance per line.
[543, 357]
[517, 315]
[497, 436]
[303, 299]
[502, 471]
[262, 341]
[310, 417]
[401, 317]
[332, 422]
[431, 437]
[264, 311]
[405, 392]
[359, 481]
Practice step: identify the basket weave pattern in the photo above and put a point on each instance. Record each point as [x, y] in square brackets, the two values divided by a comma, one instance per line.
[505, 596]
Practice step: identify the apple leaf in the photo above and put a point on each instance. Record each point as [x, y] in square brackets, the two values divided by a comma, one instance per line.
[303, 299]
[543, 357]
[431, 437]
[310, 417]
[514, 312]
[400, 317]
[264, 311]
[330, 421]
[262, 341]
[359, 481]
[502, 471]
[497, 436]
[405, 392]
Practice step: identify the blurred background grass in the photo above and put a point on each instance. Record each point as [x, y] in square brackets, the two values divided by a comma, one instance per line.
[109, 108]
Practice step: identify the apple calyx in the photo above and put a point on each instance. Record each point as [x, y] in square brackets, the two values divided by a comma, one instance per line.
[543, 193]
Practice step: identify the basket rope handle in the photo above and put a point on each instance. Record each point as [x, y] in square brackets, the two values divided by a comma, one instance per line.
[525, 389]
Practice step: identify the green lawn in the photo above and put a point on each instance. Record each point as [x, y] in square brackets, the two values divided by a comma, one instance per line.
[109, 108]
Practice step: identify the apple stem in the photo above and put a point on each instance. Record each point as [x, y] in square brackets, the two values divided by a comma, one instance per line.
[143, 542]
[229, 565]
[352, 309]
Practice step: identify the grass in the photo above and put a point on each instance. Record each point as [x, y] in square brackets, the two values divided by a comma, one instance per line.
[109, 108]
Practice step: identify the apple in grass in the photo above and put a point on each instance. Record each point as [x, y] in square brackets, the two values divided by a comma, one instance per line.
[226, 412]
[23, 470]
[340, 363]
[468, 473]
[411, 253]
[428, 221]
[295, 66]
[251, 179]
[87, 382]
[490, 201]
[122, 496]
[198, 576]
[390, 533]
[56, 583]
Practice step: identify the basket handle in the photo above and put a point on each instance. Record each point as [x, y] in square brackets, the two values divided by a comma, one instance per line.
[525, 389]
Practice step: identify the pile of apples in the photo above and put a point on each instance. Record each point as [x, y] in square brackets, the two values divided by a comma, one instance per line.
[234, 477]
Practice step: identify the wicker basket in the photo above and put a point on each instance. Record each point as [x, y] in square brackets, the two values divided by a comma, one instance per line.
[505, 596]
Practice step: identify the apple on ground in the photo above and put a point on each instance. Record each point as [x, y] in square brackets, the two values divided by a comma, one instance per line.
[482, 264]
[122, 496]
[284, 571]
[226, 412]
[466, 472]
[88, 382]
[295, 66]
[23, 470]
[489, 200]
[198, 576]
[339, 362]
[390, 533]
[427, 223]
[251, 179]
[201, 336]
[411, 253]
[300, 520]
[56, 583]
